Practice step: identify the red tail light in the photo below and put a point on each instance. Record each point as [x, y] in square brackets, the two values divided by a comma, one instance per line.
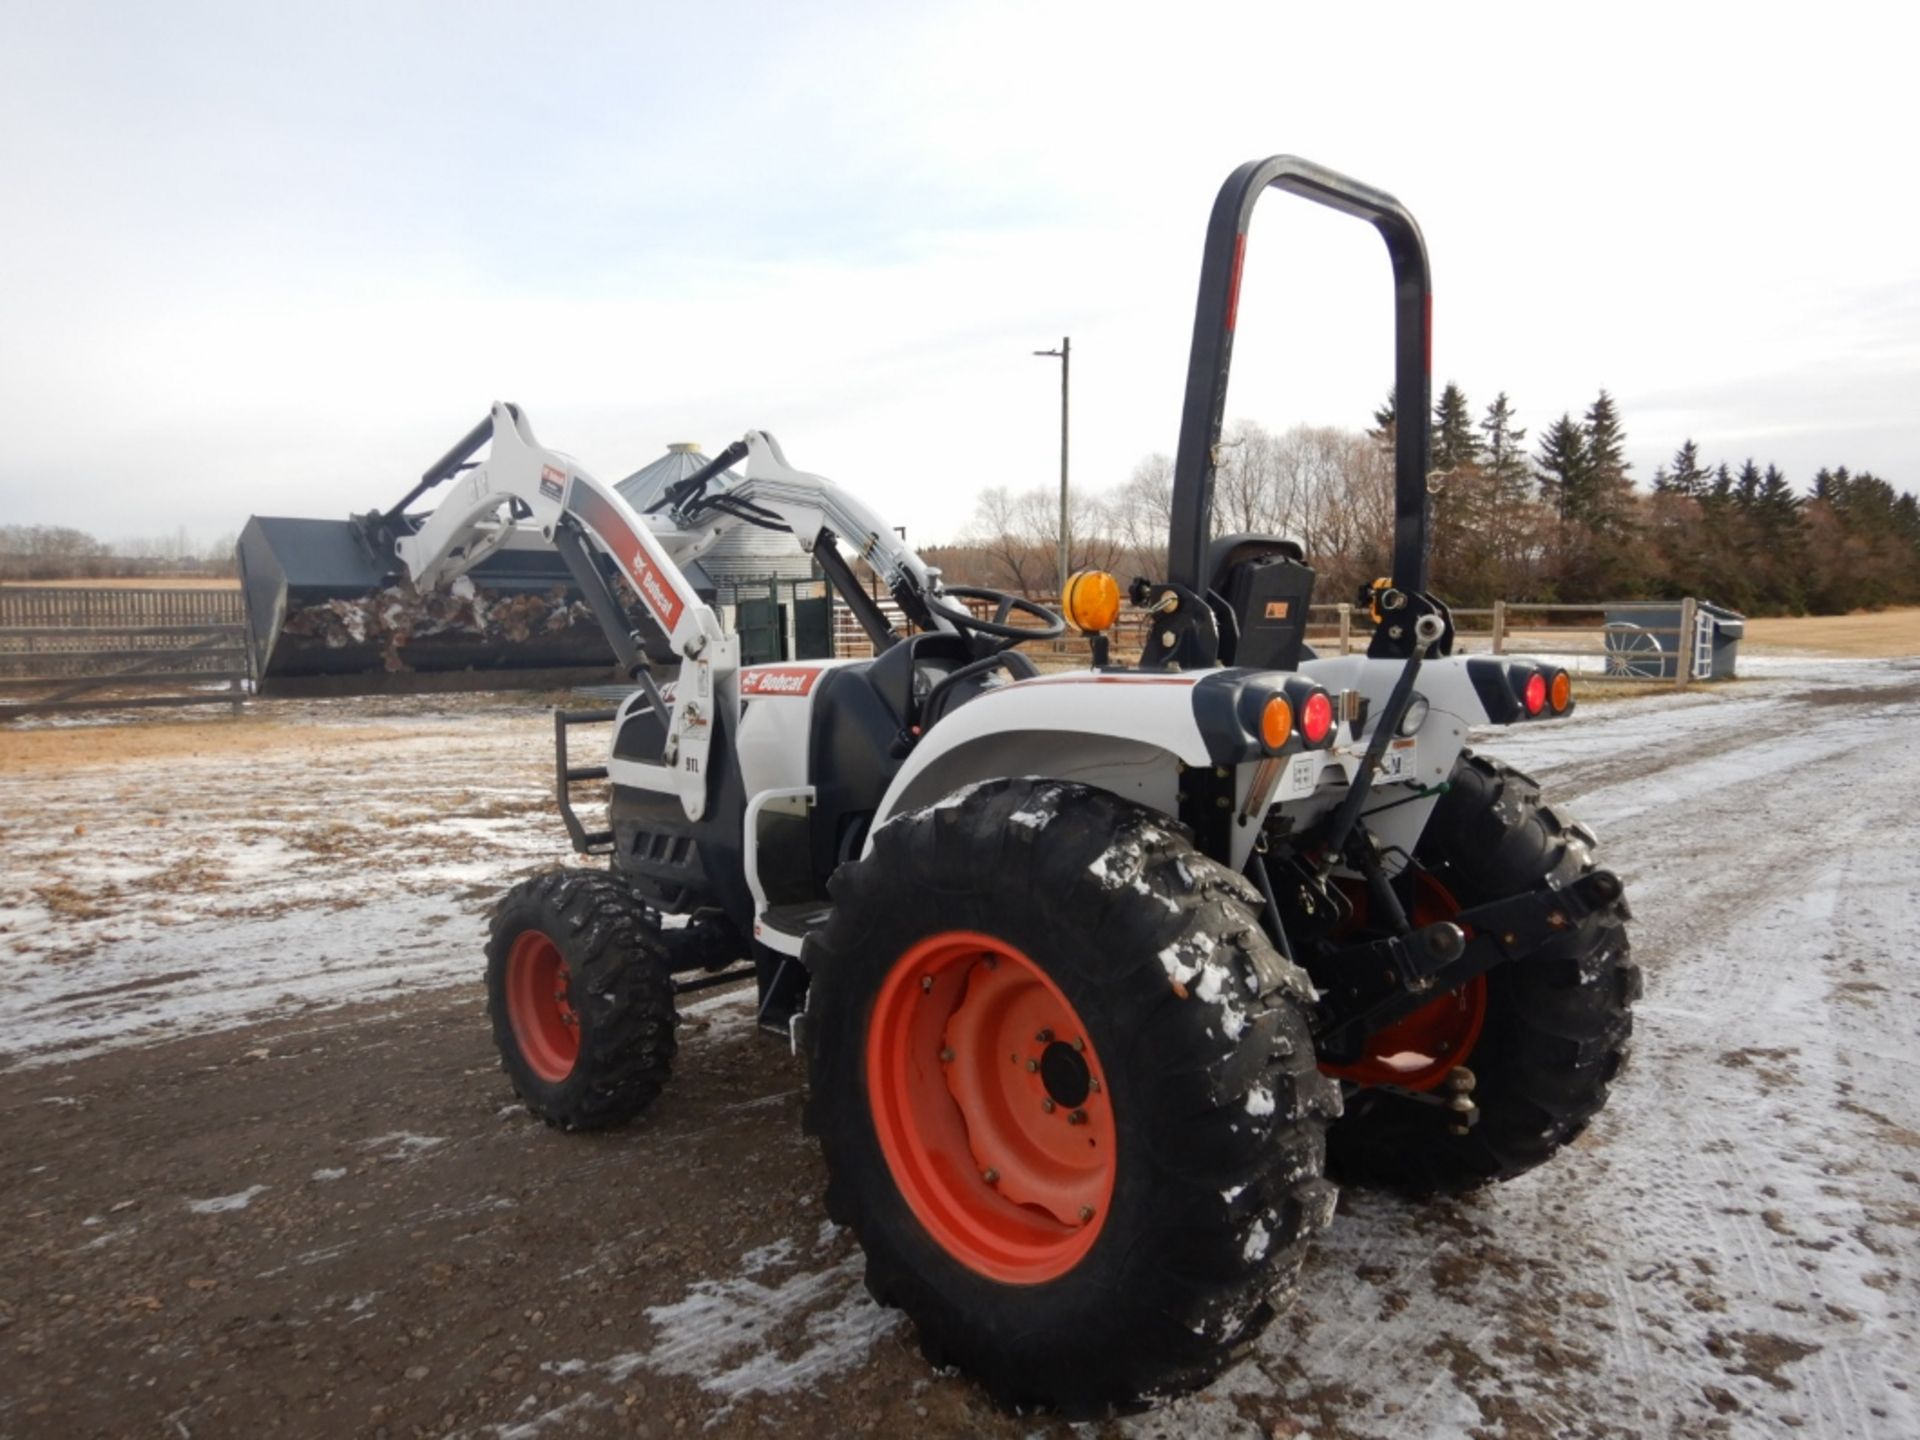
[1316, 719]
[1535, 695]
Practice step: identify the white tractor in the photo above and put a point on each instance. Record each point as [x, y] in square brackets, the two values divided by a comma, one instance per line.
[1105, 977]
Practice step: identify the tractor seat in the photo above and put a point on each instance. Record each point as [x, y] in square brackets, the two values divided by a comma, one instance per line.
[1261, 592]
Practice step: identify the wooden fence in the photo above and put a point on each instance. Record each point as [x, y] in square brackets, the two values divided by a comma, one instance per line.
[79, 647]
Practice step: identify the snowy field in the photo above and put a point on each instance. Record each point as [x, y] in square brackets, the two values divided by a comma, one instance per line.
[1730, 1251]
[325, 860]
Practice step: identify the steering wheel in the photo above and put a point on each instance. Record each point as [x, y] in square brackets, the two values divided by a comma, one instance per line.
[1052, 624]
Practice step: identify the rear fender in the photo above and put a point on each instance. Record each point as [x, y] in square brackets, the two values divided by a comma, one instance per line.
[1126, 734]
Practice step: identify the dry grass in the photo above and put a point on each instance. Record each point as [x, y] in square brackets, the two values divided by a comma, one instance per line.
[1592, 690]
[1865, 635]
[69, 902]
[72, 747]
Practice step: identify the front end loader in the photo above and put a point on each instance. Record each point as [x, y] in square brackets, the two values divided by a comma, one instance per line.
[1105, 979]
[332, 610]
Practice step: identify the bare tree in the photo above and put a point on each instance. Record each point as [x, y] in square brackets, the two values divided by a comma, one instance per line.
[48, 542]
[1140, 511]
[1016, 536]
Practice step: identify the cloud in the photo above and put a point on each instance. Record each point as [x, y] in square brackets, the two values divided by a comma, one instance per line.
[269, 260]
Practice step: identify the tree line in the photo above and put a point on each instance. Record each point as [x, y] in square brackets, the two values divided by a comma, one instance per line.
[1562, 520]
[60, 552]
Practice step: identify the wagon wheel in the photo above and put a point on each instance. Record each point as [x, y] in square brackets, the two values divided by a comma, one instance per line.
[1633, 653]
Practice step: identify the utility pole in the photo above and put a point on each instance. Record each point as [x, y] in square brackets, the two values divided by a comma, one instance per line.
[1065, 356]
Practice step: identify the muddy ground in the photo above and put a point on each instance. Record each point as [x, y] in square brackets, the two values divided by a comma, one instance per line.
[261, 1174]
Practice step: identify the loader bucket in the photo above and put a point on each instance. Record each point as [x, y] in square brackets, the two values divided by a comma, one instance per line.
[327, 616]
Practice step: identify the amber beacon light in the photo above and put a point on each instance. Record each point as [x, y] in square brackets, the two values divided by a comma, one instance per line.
[1091, 601]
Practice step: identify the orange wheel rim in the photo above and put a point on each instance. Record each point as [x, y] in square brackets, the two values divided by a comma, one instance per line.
[1418, 1051]
[540, 1008]
[991, 1107]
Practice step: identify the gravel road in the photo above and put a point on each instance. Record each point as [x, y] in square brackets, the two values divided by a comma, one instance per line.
[262, 1175]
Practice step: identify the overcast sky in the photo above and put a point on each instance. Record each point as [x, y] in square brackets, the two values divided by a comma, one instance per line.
[275, 258]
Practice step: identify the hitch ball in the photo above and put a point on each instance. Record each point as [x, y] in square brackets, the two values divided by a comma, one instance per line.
[1446, 942]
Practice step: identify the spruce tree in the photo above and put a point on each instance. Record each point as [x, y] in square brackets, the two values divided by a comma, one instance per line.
[1383, 430]
[1505, 449]
[1562, 468]
[1778, 508]
[1746, 487]
[1720, 492]
[1906, 522]
[1606, 498]
[1687, 477]
[1455, 446]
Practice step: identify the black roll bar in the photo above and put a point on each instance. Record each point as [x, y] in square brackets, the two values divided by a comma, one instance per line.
[1213, 323]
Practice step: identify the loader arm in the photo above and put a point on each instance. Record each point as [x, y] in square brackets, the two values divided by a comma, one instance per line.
[522, 485]
[811, 506]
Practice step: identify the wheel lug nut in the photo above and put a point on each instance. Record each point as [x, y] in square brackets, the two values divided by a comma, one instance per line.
[1078, 1117]
[926, 984]
[946, 1056]
[992, 1177]
[1079, 1043]
[1086, 1213]
[1094, 1085]
[1048, 1106]
[1032, 1066]
[1044, 1037]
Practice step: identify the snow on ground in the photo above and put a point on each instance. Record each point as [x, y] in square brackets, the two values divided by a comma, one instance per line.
[717, 1335]
[1729, 1251]
[145, 900]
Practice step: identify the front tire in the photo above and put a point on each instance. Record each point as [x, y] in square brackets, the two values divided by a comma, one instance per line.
[1066, 1094]
[1545, 1036]
[581, 998]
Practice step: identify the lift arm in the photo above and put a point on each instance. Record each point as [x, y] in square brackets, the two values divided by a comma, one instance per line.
[816, 510]
[523, 485]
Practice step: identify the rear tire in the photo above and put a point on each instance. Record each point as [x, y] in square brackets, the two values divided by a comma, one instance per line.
[1556, 1026]
[581, 998]
[1058, 1279]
